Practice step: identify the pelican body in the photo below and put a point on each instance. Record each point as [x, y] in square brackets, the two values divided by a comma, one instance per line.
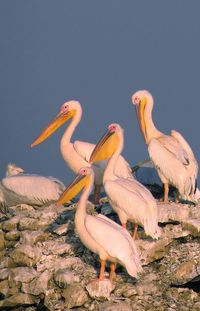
[28, 188]
[171, 154]
[77, 154]
[129, 198]
[100, 234]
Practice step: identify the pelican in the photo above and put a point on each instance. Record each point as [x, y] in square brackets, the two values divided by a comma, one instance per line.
[77, 154]
[100, 234]
[130, 199]
[17, 188]
[171, 154]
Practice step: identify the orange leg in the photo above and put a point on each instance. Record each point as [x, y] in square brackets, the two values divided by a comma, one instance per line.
[112, 275]
[166, 191]
[102, 269]
[135, 235]
[97, 189]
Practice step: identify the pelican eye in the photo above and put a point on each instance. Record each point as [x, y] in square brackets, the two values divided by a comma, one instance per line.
[112, 128]
[137, 100]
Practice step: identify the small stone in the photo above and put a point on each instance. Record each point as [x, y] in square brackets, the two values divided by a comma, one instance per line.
[11, 224]
[62, 229]
[22, 275]
[2, 241]
[193, 225]
[58, 248]
[173, 212]
[21, 208]
[19, 299]
[13, 235]
[186, 272]
[65, 277]
[152, 250]
[174, 231]
[4, 273]
[32, 237]
[27, 223]
[75, 296]
[53, 263]
[26, 255]
[39, 285]
[112, 306]
[100, 290]
[4, 287]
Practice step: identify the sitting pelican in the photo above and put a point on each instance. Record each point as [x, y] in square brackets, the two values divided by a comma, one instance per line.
[130, 199]
[100, 234]
[77, 154]
[171, 154]
[17, 188]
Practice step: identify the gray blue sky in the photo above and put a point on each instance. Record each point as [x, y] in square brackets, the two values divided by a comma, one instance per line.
[97, 52]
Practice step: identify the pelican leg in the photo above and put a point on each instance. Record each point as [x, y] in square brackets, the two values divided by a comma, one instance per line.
[124, 226]
[112, 275]
[102, 269]
[135, 234]
[166, 191]
[97, 189]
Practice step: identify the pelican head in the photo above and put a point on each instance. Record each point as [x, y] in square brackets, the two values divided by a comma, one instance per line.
[12, 170]
[67, 111]
[107, 145]
[82, 180]
[142, 101]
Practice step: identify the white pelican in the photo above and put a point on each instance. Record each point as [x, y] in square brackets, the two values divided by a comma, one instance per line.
[100, 234]
[17, 188]
[77, 154]
[171, 154]
[130, 199]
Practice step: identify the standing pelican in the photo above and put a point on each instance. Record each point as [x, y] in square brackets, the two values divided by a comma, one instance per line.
[130, 199]
[77, 154]
[171, 154]
[17, 188]
[100, 234]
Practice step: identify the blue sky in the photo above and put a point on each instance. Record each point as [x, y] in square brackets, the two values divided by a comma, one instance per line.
[100, 53]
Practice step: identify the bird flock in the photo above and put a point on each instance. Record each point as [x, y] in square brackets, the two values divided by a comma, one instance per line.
[103, 165]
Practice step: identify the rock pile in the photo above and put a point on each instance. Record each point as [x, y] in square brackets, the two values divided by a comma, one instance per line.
[44, 266]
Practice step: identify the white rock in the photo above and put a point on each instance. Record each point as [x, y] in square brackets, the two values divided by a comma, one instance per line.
[100, 290]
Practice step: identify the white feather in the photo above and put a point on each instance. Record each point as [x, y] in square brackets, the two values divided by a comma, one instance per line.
[118, 242]
[30, 189]
[132, 201]
[172, 168]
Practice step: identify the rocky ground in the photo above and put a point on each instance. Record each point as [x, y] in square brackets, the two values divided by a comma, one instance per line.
[44, 266]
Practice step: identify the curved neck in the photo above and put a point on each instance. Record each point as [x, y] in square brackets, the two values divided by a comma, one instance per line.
[151, 130]
[109, 173]
[66, 138]
[81, 208]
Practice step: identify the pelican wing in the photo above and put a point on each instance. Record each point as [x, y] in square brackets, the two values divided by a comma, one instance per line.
[136, 201]
[31, 189]
[188, 149]
[115, 240]
[173, 146]
[123, 169]
[171, 168]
